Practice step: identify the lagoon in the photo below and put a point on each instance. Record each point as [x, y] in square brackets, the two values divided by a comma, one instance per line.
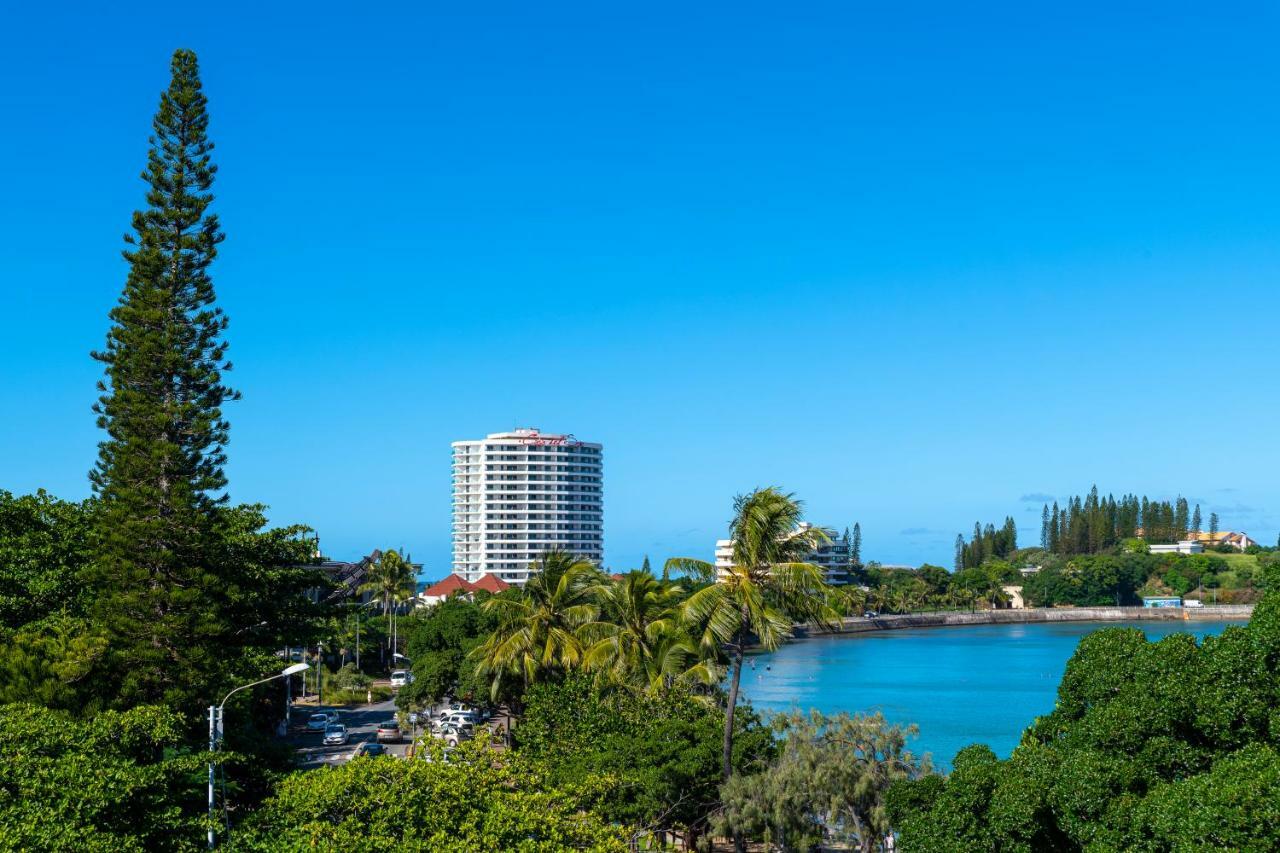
[960, 685]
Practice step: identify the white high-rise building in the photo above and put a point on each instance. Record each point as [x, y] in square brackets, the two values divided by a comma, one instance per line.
[519, 494]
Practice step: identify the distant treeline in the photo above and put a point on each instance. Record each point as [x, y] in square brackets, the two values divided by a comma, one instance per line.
[1093, 524]
[987, 543]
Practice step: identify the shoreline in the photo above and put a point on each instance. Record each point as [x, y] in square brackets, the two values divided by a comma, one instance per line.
[948, 619]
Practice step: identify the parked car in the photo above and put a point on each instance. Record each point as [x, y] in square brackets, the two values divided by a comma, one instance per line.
[370, 748]
[320, 722]
[335, 735]
[463, 713]
[870, 614]
[453, 735]
[401, 677]
[389, 732]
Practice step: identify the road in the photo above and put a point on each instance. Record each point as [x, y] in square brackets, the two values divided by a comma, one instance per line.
[362, 724]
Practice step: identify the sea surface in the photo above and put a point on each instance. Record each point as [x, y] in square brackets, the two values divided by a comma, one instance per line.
[960, 685]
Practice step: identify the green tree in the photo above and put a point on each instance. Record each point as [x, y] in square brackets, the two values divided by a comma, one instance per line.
[765, 590]
[855, 549]
[119, 781]
[159, 476]
[472, 801]
[537, 630]
[1213, 524]
[663, 749]
[827, 784]
[44, 545]
[1196, 520]
[439, 642]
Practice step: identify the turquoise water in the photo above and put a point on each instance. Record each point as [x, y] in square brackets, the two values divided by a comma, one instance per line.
[963, 685]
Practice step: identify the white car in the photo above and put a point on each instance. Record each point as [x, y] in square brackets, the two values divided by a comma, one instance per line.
[335, 735]
[457, 717]
[320, 722]
[401, 677]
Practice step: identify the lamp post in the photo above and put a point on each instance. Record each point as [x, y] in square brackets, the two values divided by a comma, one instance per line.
[215, 730]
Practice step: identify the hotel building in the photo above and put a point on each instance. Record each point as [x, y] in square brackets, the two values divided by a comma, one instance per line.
[519, 494]
[835, 558]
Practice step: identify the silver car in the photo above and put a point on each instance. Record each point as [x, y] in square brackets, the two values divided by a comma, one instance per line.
[335, 735]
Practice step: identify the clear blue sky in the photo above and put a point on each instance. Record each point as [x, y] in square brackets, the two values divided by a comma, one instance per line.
[914, 262]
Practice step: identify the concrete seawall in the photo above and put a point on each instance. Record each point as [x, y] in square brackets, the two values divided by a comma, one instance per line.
[858, 625]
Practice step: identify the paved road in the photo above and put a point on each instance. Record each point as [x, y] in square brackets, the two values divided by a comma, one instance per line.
[362, 724]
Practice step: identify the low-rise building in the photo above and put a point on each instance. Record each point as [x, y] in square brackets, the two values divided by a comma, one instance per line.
[1156, 601]
[1239, 541]
[458, 585]
[1188, 546]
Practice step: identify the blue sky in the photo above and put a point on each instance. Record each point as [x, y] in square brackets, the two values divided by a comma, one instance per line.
[914, 262]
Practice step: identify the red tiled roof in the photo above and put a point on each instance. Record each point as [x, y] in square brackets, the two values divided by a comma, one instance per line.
[490, 583]
[448, 586]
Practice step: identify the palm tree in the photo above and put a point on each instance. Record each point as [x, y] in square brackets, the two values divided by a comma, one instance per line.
[537, 630]
[391, 581]
[634, 613]
[638, 638]
[767, 587]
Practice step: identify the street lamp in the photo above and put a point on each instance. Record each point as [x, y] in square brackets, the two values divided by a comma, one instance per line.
[215, 729]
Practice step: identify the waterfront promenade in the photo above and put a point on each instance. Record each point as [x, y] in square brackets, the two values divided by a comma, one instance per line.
[944, 619]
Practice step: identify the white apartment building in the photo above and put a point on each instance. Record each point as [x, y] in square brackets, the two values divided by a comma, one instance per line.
[835, 558]
[519, 494]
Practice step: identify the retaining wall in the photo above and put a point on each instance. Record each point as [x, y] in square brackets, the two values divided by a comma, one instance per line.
[857, 625]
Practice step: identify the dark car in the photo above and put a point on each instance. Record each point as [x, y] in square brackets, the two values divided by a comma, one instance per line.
[389, 732]
[370, 748]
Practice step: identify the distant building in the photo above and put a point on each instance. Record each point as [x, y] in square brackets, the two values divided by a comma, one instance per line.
[347, 578]
[835, 558]
[518, 495]
[1239, 541]
[1028, 571]
[1016, 601]
[1188, 546]
[457, 585]
[1161, 601]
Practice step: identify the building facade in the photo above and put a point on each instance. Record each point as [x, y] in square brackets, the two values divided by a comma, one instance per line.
[520, 494]
[835, 558]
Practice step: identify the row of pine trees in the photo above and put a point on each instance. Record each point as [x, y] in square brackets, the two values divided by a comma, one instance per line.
[1094, 524]
[1090, 524]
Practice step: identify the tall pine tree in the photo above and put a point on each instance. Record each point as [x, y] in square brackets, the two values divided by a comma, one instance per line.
[855, 547]
[159, 473]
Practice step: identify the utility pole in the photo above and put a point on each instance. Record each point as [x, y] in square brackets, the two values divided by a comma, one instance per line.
[213, 747]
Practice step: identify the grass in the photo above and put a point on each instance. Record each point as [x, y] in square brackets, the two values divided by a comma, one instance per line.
[1237, 560]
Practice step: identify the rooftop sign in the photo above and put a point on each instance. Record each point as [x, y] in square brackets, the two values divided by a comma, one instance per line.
[538, 439]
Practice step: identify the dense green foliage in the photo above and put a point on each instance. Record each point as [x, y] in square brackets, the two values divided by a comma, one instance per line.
[439, 644]
[1158, 746]
[121, 781]
[664, 749]
[828, 783]
[44, 545]
[475, 802]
